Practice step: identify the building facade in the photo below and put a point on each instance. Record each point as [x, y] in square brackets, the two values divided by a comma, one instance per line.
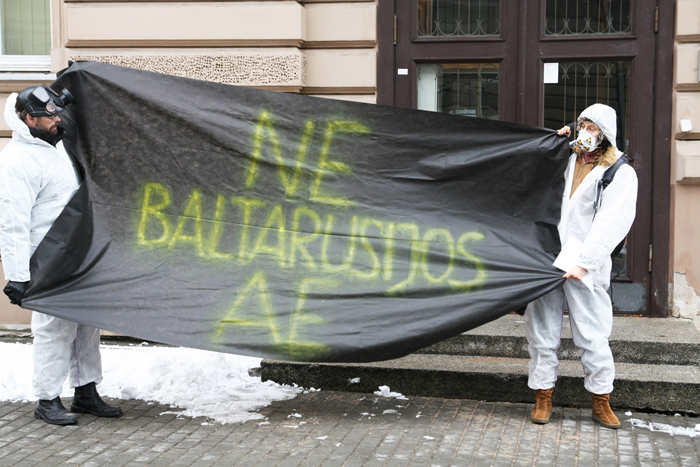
[534, 62]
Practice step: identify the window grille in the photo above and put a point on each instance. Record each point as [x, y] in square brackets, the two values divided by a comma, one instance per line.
[460, 18]
[467, 89]
[588, 17]
[582, 84]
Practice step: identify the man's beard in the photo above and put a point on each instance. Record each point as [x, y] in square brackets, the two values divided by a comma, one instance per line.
[51, 129]
[57, 133]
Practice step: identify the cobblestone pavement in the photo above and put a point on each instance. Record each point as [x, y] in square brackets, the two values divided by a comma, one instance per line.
[336, 428]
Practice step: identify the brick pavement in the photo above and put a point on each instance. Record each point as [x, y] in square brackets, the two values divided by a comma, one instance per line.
[345, 429]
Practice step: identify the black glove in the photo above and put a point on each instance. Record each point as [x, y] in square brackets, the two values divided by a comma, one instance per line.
[15, 290]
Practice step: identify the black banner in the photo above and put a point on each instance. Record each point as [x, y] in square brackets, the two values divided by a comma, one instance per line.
[298, 228]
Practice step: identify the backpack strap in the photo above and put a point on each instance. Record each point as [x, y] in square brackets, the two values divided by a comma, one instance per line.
[607, 179]
[602, 185]
[610, 172]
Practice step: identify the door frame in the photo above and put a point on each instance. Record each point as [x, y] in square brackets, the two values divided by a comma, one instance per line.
[629, 47]
[657, 189]
[660, 285]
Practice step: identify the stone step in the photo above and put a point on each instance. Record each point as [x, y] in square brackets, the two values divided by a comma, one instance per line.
[651, 341]
[673, 388]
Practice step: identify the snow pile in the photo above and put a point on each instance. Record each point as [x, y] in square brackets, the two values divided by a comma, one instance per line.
[16, 375]
[208, 384]
[385, 391]
[663, 428]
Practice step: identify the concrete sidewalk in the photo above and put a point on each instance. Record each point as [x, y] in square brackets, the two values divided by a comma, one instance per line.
[337, 428]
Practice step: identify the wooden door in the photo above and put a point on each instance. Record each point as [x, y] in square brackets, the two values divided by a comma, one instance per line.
[487, 59]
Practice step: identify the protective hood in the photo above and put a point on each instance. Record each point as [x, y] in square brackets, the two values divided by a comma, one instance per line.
[605, 117]
[20, 130]
[36, 182]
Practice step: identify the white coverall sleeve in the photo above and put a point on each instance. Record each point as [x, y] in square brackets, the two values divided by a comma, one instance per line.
[18, 192]
[613, 220]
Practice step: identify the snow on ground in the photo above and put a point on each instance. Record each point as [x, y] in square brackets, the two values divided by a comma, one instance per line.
[664, 428]
[385, 391]
[193, 382]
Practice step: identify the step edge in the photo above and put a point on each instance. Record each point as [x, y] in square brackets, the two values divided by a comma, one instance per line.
[662, 373]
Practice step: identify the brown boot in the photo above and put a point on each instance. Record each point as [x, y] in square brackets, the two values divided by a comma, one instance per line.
[543, 406]
[602, 413]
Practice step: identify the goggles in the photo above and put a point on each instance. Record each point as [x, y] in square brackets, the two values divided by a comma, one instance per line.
[42, 101]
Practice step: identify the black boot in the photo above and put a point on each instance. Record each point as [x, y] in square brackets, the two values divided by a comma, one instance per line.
[54, 413]
[86, 400]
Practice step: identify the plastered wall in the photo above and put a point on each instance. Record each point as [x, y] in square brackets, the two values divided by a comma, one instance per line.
[293, 46]
[322, 48]
[685, 183]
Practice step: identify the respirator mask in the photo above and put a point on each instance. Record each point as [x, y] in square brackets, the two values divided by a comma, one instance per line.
[586, 141]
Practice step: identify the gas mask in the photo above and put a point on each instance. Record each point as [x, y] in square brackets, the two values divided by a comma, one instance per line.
[42, 101]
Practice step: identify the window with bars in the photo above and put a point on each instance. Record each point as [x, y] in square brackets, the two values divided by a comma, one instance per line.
[588, 17]
[581, 84]
[466, 89]
[460, 18]
[25, 35]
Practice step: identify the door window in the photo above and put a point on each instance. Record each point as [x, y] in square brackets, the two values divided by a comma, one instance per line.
[577, 17]
[468, 89]
[443, 18]
[582, 84]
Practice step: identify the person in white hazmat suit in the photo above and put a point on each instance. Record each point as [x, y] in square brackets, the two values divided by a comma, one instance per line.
[37, 179]
[590, 312]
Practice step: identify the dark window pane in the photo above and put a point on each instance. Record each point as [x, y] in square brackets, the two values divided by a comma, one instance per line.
[582, 84]
[469, 89]
[440, 18]
[619, 267]
[576, 17]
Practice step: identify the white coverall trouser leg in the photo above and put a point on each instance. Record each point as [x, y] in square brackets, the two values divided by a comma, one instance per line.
[63, 348]
[590, 315]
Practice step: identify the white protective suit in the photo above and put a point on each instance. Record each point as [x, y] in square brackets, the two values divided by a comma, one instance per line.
[590, 314]
[36, 182]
